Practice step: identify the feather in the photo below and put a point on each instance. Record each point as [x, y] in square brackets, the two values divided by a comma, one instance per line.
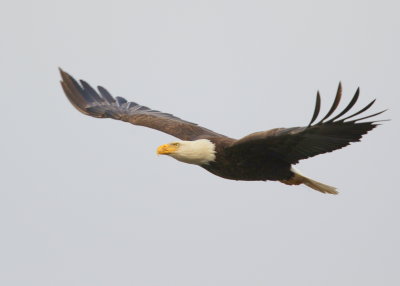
[335, 103]
[348, 107]
[316, 109]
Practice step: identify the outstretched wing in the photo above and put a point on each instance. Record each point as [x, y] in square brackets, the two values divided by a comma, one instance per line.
[297, 143]
[102, 104]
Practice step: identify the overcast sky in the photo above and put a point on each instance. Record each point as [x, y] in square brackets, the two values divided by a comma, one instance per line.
[85, 201]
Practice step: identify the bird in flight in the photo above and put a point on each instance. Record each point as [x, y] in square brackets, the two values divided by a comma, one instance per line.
[260, 156]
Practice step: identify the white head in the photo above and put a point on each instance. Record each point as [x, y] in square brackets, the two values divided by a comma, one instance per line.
[198, 152]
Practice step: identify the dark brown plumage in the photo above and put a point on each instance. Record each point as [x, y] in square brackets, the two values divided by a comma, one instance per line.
[265, 155]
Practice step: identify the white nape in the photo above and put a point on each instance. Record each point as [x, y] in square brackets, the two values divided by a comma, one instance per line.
[198, 152]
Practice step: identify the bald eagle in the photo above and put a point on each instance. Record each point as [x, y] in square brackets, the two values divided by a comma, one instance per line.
[260, 156]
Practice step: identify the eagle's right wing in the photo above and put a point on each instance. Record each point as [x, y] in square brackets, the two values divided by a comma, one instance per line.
[102, 104]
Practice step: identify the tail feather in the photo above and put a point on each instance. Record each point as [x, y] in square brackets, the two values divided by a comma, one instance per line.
[299, 178]
[320, 187]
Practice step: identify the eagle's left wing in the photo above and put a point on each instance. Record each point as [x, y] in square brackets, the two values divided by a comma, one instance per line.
[297, 143]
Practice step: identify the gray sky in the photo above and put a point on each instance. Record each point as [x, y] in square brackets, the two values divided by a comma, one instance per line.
[87, 202]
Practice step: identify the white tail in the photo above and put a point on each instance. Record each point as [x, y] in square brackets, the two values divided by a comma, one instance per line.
[299, 178]
[320, 187]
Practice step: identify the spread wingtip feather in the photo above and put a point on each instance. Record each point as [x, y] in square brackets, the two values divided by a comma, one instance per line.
[334, 106]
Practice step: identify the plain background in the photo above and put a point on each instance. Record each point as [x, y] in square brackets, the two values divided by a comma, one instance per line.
[85, 201]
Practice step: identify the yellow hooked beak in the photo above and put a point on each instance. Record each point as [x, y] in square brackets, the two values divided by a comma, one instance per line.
[167, 149]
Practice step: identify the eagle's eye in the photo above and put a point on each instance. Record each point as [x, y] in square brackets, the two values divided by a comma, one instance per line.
[176, 144]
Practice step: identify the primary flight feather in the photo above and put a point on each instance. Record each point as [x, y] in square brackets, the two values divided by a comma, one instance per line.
[260, 156]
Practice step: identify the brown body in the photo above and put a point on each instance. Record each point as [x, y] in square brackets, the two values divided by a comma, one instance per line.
[235, 164]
